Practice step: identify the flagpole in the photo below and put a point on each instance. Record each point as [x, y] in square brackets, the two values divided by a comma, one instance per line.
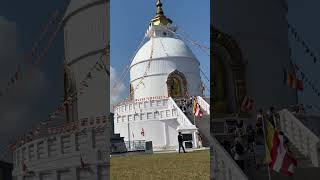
[265, 144]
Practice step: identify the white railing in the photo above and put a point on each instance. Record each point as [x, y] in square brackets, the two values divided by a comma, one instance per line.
[300, 136]
[224, 167]
[203, 104]
[138, 105]
[182, 118]
[48, 152]
[145, 115]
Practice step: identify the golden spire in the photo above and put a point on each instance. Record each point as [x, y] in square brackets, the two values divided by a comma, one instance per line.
[160, 18]
[159, 9]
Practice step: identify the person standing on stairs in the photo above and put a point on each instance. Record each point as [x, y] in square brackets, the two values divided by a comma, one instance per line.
[239, 153]
[180, 140]
[250, 138]
[271, 116]
[240, 129]
[226, 145]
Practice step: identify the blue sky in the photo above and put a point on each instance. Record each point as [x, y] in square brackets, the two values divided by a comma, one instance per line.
[130, 20]
[304, 16]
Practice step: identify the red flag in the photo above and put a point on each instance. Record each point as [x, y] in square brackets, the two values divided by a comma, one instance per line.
[197, 111]
[244, 103]
[247, 104]
[201, 114]
[187, 94]
[300, 86]
[282, 161]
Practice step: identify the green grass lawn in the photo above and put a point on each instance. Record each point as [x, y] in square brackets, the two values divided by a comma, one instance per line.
[168, 166]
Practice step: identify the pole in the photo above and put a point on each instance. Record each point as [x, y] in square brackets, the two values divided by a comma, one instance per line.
[129, 134]
[265, 145]
[193, 112]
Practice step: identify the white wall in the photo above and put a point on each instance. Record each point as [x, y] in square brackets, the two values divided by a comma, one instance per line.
[155, 82]
[85, 34]
[153, 131]
[172, 132]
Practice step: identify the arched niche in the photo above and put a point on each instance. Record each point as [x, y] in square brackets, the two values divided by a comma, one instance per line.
[70, 89]
[227, 74]
[176, 84]
[131, 90]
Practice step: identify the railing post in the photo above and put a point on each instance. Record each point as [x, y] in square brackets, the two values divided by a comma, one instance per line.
[27, 153]
[36, 151]
[91, 138]
[46, 148]
[73, 142]
[59, 144]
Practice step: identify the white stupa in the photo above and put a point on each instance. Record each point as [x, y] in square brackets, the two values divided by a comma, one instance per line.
[163, 68]
[83, 152]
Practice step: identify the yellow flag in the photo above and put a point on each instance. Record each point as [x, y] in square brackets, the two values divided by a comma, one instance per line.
[194, 106]
[269, 141]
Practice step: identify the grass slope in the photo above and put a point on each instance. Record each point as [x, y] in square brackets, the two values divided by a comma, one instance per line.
[168, 166]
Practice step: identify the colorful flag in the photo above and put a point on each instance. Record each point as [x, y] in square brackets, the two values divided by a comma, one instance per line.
[197, 111]
[194, 106]
[277, 156]
[292, 81]
[247, 104]
[300, 85]
[281, 161]
[269, 140]
[200, 114]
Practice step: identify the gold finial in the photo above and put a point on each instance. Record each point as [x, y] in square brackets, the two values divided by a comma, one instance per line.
[160, 17]
[159, 8]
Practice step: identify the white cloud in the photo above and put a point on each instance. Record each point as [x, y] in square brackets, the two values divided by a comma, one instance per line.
[116, 92]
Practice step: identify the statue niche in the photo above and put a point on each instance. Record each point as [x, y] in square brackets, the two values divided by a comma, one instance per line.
[176, 84]
[70, 89]
[227, 74]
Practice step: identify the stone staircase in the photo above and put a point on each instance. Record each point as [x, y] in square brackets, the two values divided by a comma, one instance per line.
[303, 143]
[117, 144]
[223, 167]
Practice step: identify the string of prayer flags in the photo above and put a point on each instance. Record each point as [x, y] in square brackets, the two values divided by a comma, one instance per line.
[298, 38]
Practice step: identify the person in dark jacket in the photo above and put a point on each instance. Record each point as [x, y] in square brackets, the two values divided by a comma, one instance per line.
[180, 140]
